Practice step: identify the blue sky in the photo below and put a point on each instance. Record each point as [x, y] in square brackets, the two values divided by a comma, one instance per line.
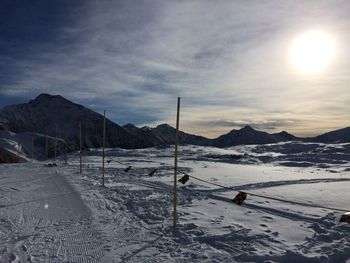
[228, 60]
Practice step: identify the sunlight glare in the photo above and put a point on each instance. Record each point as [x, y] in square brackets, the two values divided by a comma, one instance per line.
[312, 51]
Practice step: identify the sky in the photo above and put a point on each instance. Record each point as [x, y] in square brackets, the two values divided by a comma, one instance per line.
[227, 60]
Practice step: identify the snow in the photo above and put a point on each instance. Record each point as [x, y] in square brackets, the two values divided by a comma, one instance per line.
[25, 144]
[130, 220]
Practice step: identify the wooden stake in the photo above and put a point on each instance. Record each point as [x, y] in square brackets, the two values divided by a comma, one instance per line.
[32, 147]
[55, 142]
[103, 148]
[19, 158]
[175, 161]
[65, 150]
[47, 146]
[80, 135]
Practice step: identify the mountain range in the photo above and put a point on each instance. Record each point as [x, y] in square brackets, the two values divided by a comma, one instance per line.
[55, 116]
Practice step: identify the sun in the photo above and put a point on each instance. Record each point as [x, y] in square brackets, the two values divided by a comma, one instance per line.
[312, 51]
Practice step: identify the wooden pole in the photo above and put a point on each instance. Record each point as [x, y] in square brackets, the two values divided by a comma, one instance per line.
[19, 158]
[32, 147]
[55, 142]
[65, 150]
[47, 146]
[103, 148]
[175, 161]
[80, 151]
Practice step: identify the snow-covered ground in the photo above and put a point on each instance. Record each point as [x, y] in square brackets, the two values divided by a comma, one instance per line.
[74, 219]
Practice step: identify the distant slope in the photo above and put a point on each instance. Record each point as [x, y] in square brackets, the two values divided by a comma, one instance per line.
[164, 134]
[285, 136]
[47, 112]
[337, 136]
[248, 135]
[27, 145]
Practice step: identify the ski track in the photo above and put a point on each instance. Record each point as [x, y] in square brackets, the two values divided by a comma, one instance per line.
[66, 233]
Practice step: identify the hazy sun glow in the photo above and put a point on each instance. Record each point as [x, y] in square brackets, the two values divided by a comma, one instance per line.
[312, 51]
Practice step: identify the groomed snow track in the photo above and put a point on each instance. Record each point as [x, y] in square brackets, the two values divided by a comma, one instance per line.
[59, 229]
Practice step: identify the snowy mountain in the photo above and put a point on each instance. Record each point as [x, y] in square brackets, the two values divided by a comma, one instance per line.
[337, 136]
[164, 134]
[248, 135]
[285, 136]
[47, 114]
[56, 116]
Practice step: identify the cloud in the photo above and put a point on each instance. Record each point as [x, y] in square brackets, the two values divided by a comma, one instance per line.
[226, 59]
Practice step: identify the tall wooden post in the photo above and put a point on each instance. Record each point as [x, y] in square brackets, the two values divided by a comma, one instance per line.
[47, 146]
[80, 147]
[175, 161]
[55, 142]
[19, 158]
[65, 150]
[33, 147]
[103, 147]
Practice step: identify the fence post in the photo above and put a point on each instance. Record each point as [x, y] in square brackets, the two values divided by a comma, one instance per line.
[55, 150]
[47, 145]
[103, 147]
[19, 158]
[33, 147]
[175, 161]
[80, 135]
[65, 150]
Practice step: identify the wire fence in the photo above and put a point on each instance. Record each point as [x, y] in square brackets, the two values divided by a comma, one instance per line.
[127, 167]
[184, 179]
[266, 196]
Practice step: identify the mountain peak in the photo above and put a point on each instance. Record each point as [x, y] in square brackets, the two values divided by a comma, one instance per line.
[54, 114]
[52, 101]
[247, 128]
[129, 125]
[146, 128]
[47, 96]
[164, 126]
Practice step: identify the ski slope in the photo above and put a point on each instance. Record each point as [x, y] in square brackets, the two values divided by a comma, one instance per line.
[57, 227]
[130, 220]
